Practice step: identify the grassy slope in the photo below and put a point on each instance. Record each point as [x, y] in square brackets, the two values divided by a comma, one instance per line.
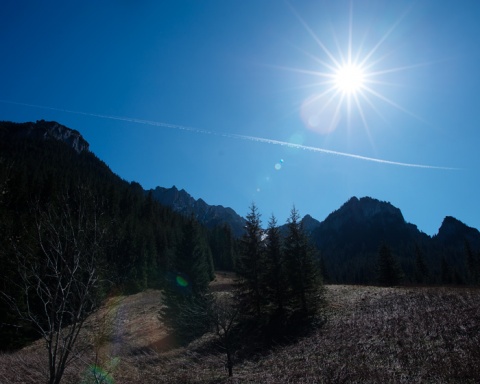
[372, 335]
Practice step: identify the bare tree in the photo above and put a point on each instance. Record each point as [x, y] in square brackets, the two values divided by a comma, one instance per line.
[225, 316]
[58, 282]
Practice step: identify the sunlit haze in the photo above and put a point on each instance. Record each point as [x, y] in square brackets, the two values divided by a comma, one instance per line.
[277, 103]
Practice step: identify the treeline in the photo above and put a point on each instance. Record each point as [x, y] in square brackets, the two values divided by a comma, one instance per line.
[278, 279]
[46, 186]
[447, 267]
[278, 290]
[350, 256]
[412, 264]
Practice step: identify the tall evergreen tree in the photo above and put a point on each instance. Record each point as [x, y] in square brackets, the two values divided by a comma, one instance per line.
[421, 269]
[274, 279]
[222, 244]
[302, 269]
[187, 300]
[388, 270]
[249, 266]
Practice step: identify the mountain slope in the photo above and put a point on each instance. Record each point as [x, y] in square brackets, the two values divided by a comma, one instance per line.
[43, 130]
[349, 239]
[454, 233]
[49, 180]
[365, 223]
[209, 215]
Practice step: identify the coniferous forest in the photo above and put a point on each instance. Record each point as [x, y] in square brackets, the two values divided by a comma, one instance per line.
[135, 237]
[59, 204]
[74, 234]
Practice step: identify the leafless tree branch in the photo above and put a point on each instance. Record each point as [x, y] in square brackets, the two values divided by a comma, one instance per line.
[58, 274]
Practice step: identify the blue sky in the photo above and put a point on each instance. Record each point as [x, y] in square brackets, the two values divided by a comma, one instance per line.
[178, 92]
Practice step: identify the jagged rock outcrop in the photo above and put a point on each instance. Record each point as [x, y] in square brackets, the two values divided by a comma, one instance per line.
[209, 215]
[453, 234]
[364, 210]
[45, 130]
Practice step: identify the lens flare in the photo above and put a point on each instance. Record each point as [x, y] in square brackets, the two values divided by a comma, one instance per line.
[181, 281]
[97, 374]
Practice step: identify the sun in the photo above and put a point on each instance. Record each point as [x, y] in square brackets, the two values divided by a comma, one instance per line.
[349, 79]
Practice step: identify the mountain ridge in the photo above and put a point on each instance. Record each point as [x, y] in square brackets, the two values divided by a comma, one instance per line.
[347, 240]
[182, 201]
[209, 215]
[45, 130]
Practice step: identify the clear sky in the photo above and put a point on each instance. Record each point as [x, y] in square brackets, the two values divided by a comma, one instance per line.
[179, 93]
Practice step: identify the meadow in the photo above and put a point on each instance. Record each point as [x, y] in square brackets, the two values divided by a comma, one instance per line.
[368, 334]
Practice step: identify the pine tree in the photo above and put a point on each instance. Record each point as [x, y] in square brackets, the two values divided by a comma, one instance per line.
[275, 284]
[222, 244]
[302, 269]
[274, 279]
[249, 266]
[187, 299]
[421, 269]
[389, 272]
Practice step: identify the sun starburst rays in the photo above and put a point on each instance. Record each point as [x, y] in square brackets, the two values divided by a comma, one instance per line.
[352, 79]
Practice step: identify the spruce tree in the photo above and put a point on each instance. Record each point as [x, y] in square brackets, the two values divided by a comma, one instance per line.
[421, 269]
[303, 270]
[275, 284]
[249, 266]
[222, 244]
[274, 279]
[389, 272]
[187, 299]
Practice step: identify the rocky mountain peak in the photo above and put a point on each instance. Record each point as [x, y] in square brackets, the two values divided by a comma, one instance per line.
[363, 210]
[46, 130]
[450, 225]
[209, 215]
[453, 230]
[309, 223]
[367, 207]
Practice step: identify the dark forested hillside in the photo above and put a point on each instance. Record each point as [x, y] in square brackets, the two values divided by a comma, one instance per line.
[48, 179]
[54, 192]
[351, 237]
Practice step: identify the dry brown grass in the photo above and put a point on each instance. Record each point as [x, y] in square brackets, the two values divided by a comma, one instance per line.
[375, 335]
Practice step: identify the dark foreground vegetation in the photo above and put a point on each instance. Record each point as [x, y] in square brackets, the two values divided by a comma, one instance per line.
[372, 334]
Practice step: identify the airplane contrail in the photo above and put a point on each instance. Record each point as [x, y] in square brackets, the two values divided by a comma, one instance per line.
[237, 136]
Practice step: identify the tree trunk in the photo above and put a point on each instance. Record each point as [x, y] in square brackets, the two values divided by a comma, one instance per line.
[229, 363]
